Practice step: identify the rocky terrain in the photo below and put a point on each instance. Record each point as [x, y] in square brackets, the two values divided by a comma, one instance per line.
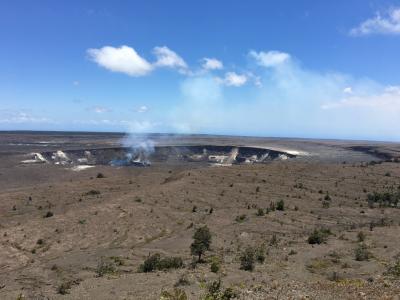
[322, 224]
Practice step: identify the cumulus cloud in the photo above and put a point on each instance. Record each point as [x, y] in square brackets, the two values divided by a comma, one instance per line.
[99, 109]
[168, 58]
[389, 23]
[123, 59]
[212, 64]
[142, 109]
[348, 90]
[233, 79]
[270, 58]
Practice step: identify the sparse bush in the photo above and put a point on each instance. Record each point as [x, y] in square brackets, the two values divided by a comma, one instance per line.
[247, 259]
[327, 197]
[105, 267]
[274, 240]
[100, 175]
[319, 236]
[49, 214]
[155, 262]
[362, 253]
[394, 270]
[325, 204]
[182, 281]
[201, 243]
[260, 212]
[384, 199]
[215, 291]
[64, 288]
[260, 254]
[175, 294]
[194, 209]
[361, 236]
[214, 267]
[280, 205]
[92, 193]
[241, 218]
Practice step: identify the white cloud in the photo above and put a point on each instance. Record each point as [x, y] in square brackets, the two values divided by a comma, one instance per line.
[270, 58]
[99, 109]
[16, 117]
[212, 64]
[123, 59]
[233, 79]
[142, 109]
[387, 100]
[348, 90]
[168, 58]
[387, 24]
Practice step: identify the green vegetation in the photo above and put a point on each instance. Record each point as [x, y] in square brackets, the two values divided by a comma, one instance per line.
[319, 236]
[260, 212]
[394, 270]
[175, 294]
[215, 291]
[155, 262]
[361, 236]
[362, 253]
[105, 267]
[201, 243]
[384, 199]
[280, 205]
[247, 259]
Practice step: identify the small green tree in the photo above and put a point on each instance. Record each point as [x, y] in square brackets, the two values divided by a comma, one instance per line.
[201, 243]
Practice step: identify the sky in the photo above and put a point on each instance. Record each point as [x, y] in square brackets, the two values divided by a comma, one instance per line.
[311, 69]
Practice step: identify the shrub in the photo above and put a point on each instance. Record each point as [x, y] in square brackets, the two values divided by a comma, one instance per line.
[394, 270]
[384, 199]
[155, 262]
[201, 242]
[182, 280]
[176, 294]
[247, 259]
[92, 193]
[280, 205]
[49, 214]
[362, 253]
[64, 288]
[274, 240]
[215, 266]
[327, 197]
[361, 236]
[170, 263]
[216, 292]
[100, 175]
[260, 254]
[241, 218]
[105, 267]
[319, 236]
[260, 212]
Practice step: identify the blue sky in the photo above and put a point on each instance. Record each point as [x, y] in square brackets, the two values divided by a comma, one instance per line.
[323, 69]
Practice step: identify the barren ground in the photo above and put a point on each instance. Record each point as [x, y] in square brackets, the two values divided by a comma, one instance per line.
[142, 211]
